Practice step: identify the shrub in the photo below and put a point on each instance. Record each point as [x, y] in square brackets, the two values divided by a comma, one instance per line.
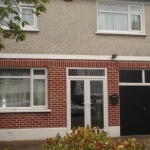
[89, 139]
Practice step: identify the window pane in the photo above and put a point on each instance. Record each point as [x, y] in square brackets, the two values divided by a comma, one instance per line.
[39, 72]
[135, 22]
[112, 7]
[147, 76]
[14, 72]
[28, 16]
[130, 76]
[1, 2]
[77, 103]
[39, 92]
[86, 72]
[11, 17]
[14, 3]
[15, 92]
[96, 98]
[135, 9]
[112, 21]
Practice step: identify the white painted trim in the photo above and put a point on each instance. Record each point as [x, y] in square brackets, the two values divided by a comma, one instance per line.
[31, 108]
[129, 31]
[105, 103]
[31, 134]
[23, 110]
[26, 29]
[122, 33]
[114, 131]
[73, 57]
[134, 84]
[87, 80]
[143, 83]
[127, 1]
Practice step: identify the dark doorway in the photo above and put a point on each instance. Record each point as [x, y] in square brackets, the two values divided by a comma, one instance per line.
[135, 110]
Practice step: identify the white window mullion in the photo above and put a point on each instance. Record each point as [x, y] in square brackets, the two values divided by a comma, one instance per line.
[129, 25]
[143, 19]
[46, 93]
[129, 22]
[143, 76]
[31, 92]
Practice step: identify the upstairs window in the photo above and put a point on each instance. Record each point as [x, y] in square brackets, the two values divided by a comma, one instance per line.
[121, 18]
[25, 13]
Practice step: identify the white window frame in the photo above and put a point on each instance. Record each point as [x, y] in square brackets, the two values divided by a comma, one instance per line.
[26, 27]
[34, 19]
[143, 83]
[32, 108]
[87, 79]
[129, 32]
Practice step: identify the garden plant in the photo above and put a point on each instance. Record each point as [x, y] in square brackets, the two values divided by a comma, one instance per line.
[90, 139]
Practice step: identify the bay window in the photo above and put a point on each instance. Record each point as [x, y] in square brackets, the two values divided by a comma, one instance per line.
[119, 18]
[23, 88]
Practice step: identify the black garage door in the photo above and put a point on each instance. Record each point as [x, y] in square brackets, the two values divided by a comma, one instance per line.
[135, 110]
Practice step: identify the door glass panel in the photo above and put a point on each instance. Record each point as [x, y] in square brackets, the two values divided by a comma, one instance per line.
[96, 98]
[77, 106]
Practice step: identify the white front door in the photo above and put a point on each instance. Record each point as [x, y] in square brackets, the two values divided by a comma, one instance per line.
[86, 102]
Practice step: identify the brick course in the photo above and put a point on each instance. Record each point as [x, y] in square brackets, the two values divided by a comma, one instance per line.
[57, 91]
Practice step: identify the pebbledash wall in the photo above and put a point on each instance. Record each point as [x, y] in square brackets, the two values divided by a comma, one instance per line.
[39, 125]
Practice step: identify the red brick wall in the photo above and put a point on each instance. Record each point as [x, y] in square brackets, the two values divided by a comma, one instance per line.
[57, 91]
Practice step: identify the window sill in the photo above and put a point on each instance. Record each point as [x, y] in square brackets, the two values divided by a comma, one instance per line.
[26, 29]
[25, 110]
[36, 30]
[117, 33]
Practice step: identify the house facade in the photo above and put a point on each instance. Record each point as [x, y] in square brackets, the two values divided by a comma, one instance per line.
[83, 62]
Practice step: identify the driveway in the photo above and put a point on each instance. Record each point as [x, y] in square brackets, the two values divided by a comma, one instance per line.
[22, 145]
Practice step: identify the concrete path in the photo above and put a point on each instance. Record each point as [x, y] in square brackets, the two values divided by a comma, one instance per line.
[37, 144]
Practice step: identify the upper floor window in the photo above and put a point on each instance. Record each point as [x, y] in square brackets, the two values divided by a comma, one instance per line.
[120, 18]
[25, 13]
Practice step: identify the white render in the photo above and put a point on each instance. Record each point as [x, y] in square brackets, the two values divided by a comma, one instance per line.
[74, 57]
[114, 131]
[30, 134]
[43, 133]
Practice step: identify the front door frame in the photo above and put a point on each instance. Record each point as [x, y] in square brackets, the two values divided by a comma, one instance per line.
[105, 99]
